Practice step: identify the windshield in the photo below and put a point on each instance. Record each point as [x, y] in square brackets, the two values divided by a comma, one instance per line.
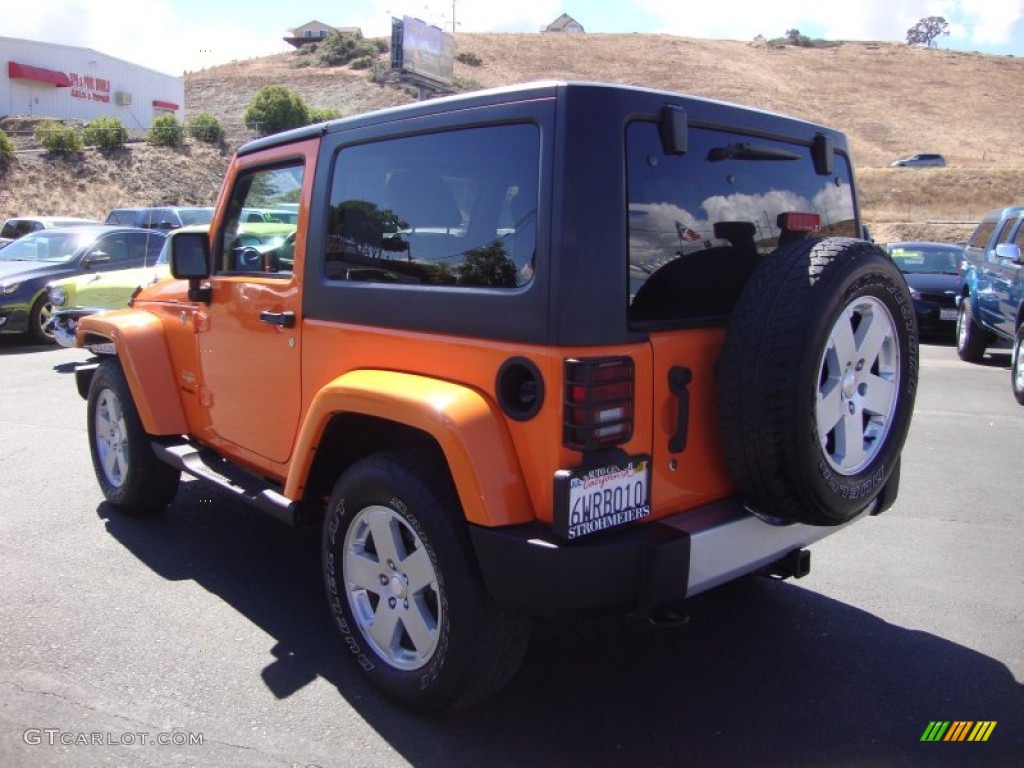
[195, 215]
[926, 260]
[48, 246]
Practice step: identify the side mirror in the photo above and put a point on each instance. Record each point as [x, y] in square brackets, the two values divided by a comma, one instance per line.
[1008, 251]
[190, 260]
[94, 258]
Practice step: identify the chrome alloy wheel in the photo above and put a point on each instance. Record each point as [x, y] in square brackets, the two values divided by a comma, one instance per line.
[392, 588]
[111, 435]
[858, 385]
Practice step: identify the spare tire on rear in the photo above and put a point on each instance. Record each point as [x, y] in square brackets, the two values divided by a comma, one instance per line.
[817, 380]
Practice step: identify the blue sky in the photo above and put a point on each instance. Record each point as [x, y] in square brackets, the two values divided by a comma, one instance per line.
[178, 35]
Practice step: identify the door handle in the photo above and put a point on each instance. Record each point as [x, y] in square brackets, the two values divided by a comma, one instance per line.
[679, 379]
[281, 319]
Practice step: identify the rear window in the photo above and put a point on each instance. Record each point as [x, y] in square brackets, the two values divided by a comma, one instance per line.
[122, 218]
[457, 208]
[982, 234]
[700, 222]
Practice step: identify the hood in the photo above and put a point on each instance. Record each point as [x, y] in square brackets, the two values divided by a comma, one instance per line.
[28, 269]
[929, 282]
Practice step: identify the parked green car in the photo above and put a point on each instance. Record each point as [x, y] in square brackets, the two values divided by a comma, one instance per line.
[75, 297]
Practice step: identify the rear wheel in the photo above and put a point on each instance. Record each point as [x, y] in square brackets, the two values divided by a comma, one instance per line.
[817, 380]
[971, 338]
[405, 590]
[1017, 368]
[130, 475]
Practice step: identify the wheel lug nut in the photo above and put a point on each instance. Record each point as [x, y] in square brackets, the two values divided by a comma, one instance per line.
[392, 602]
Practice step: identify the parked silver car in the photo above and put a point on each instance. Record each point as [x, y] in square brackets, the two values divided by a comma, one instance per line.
[920, 160]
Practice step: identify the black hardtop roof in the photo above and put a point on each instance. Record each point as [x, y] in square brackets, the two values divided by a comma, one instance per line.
[705, 110]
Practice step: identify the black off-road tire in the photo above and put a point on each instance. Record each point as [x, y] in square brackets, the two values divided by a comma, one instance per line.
[130, 475]
[823, 342]
[971, 338]
[39, 319]
[1017, 365]
[404, 588]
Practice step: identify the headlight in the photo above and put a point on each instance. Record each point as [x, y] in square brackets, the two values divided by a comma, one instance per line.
[9, 288]
[58, 295]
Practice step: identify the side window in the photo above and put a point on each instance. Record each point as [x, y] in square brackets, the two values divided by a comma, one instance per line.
[144, 248]
[116, 248]
[457, 208]
[1019, 239]
[700, 223]
[981, 235]
[1004, 237]
[258, 247]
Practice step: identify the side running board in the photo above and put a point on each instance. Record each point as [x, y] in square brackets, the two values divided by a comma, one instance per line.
[206, 465]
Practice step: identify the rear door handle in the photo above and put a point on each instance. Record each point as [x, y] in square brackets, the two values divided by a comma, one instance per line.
[282, 319]
[679, 379]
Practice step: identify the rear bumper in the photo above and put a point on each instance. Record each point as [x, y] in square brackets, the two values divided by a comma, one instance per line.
[632, 570]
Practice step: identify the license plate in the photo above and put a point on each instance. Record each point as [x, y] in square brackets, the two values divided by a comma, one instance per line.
[947, 314]
[593, 499]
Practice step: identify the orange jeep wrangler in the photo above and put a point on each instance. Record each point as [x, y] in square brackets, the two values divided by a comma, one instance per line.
[553, 349]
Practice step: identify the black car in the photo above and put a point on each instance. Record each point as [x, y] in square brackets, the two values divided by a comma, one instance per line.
[932, 271]
[30, 262]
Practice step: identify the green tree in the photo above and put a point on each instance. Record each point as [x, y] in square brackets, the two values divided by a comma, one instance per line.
[794, 37]
[166, 131]
[275, 108]
[927, 30]
[56, 137]
[105, 133]
[205, 127]
[6, 147]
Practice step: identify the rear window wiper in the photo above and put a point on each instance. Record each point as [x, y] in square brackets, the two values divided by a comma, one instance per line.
[744, 151]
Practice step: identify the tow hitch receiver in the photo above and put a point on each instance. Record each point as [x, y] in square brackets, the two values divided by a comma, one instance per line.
[796, 564]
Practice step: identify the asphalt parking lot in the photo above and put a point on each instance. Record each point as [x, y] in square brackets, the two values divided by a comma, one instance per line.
[201, 638]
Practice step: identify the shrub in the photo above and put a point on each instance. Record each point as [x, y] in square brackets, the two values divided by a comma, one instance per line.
[105, 133]
[54, 136]
[363, 62]
[275, 108]
[323, 114]
[338, 50]
[471, 59]
[6, 147]
[205, 127]
[166, 131]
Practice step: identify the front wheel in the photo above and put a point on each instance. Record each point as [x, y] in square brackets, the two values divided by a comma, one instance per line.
[404, 588]
[1017, 368]
[130, 475]
[971, 338]
[39, 321]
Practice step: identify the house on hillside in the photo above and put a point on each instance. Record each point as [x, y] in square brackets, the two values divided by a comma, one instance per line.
[315, 31]
[564, 23]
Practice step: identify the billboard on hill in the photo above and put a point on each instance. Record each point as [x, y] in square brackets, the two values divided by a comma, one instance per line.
[422, 51]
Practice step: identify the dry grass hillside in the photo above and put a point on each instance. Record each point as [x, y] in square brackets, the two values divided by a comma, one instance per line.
[889, 98]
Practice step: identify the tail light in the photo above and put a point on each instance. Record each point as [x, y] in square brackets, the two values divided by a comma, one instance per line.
[598, 402]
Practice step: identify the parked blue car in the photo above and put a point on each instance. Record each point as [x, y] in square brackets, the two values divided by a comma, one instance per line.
[991, 297]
